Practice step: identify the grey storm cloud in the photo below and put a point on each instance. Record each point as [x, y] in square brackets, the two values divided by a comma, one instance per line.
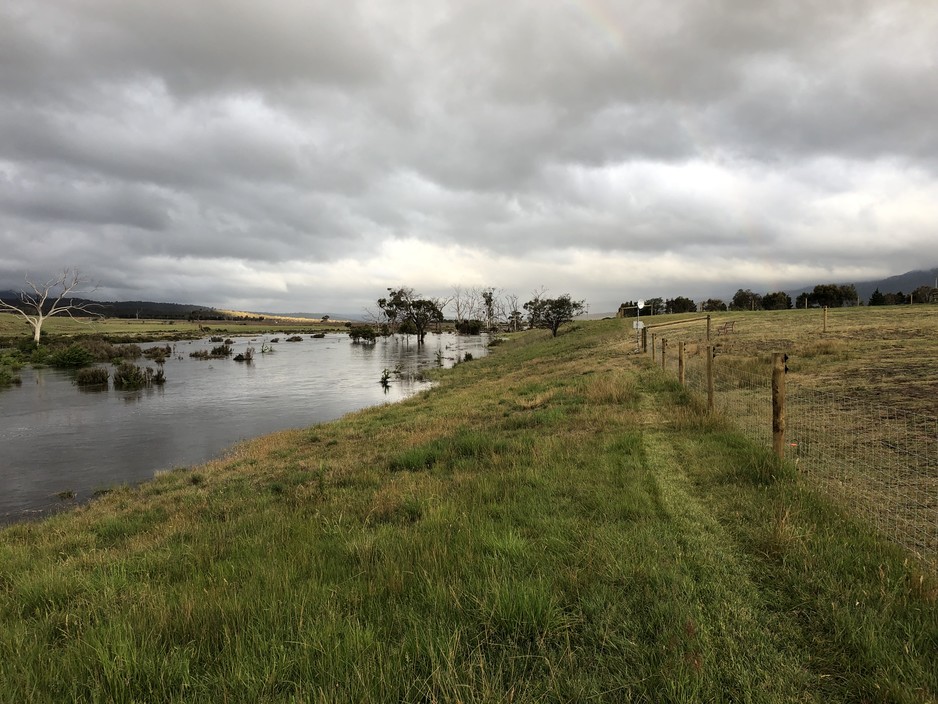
[305, 155]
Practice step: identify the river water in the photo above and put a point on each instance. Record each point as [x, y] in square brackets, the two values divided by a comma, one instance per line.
[57, 438]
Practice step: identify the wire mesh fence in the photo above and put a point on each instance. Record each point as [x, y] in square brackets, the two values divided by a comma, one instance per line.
[878, 461]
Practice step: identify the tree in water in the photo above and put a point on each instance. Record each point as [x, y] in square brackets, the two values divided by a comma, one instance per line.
[405, 310]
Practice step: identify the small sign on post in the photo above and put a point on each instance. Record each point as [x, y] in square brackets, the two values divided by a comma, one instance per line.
[639, 326]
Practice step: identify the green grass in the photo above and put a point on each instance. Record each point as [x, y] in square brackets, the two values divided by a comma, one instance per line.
[556, 522]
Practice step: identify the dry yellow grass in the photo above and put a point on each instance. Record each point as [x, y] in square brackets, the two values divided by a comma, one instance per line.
[278, 319]
[884, 354]
[862, 402]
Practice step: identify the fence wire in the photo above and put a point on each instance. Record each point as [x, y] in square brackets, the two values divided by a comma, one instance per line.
[879, 462]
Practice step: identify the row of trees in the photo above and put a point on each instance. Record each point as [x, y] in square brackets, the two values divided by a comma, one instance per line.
[405, 311]
[743, 300]
[923, 294]
[829, 295]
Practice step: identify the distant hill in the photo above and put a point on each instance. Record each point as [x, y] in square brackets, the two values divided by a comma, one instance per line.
[140, 309]
[182, 311]
[292, 317]
[906, 283]
[354, 317]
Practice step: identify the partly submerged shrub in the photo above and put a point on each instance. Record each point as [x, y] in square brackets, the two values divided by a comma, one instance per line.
[71, 357]
[246, 356]
[130, 376]
[158, 352]
[92, 376]
[100, 349]
[7, 377]
[362, 333]
[128, 351]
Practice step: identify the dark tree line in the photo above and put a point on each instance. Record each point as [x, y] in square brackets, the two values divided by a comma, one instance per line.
[745, 299]
[923, 294]
[829, 296]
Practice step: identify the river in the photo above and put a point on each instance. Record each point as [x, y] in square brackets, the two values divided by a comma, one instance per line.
[58, 440]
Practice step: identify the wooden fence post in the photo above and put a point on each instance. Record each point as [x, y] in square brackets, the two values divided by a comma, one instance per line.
[664, 349]
[680, 362]
[653, 341]
[825, 318]
[644, 339]
[710, 378]
[708, 327]
[778, 404]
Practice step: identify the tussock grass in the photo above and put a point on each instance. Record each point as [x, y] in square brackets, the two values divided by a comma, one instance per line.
[538, 527]
[827, 347]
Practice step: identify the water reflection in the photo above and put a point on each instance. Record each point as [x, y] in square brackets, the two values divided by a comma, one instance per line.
[56, 438]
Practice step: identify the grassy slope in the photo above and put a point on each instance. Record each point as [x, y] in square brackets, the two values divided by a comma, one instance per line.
[555, 523]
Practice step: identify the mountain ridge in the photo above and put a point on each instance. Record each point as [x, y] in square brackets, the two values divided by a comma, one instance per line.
[907, 282]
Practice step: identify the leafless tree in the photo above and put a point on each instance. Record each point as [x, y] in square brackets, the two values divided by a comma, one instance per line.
[466, 304]
[513, 314]
[54, 297]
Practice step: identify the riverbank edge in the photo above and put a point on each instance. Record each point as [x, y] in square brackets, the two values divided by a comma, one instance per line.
[527, 529]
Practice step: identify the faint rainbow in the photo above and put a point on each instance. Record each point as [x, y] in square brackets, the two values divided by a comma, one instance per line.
[603, 20]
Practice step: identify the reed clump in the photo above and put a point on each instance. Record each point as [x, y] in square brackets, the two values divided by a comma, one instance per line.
[92, 376]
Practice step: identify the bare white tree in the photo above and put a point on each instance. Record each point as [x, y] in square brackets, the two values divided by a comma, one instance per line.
[466, 304]
[512, 311]
[54, 297]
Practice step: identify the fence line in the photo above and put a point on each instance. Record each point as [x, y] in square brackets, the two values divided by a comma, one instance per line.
[878, 461]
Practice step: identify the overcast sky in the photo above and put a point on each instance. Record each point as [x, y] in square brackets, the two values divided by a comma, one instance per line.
[304, 155]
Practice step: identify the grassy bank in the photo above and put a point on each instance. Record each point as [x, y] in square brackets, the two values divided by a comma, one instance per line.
[557, 522]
